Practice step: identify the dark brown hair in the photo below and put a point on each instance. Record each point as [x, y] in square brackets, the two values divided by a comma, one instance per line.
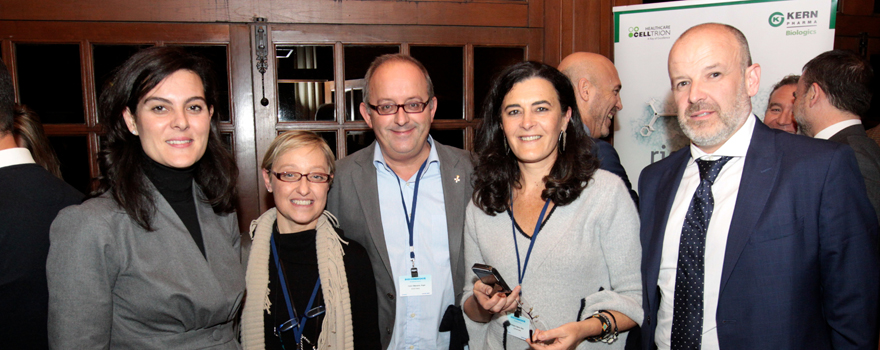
[28, 129]
[497, 171]
[123, 159]
[845, 77]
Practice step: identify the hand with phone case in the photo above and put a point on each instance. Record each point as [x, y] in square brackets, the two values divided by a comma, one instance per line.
[491, 293]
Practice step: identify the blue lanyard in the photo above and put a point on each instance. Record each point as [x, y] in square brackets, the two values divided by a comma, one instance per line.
[298, 329]
[522, 273]
[411, 219]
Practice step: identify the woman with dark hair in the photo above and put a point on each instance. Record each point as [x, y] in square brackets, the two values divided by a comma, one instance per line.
[153, 260]
[28, 131]
[580, 279]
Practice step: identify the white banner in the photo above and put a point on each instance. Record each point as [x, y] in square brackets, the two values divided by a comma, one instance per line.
[782, 35]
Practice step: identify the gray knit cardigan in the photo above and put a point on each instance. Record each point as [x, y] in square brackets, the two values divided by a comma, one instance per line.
[587, 251]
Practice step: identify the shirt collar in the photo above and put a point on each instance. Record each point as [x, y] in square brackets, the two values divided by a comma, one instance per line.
[379, 158]
[15, 156]
[736, 146]
[835, 128]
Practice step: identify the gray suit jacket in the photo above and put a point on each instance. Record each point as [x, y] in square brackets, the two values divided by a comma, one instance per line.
[114, 285]
[354, 199]
[868, 156]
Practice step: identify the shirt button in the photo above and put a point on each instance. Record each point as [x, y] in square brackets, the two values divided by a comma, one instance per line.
[413, 315]
[390, 296]
[411, 347]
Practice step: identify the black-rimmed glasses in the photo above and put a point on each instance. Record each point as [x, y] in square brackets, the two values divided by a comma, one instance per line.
[292, 176]
[391, 108]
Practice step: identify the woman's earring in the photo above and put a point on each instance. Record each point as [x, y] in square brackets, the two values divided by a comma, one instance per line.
[562, 138]
[134, 132]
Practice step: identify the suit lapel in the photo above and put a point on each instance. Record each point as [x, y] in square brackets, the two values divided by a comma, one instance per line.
[453, 191]
[667, 186]
[367, 188]
[759, 174]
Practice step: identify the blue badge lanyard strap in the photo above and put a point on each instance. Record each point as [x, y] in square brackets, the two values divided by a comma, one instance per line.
[298, 329]
[522, 272]
[411, 218]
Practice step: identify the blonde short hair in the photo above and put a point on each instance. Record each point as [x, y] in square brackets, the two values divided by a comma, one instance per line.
[292, 140]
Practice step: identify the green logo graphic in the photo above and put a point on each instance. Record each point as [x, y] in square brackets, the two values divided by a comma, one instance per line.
[632, 30]
[776, 19]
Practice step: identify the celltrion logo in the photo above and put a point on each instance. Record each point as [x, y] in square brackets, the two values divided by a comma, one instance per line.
[651, 32]
[777, 19]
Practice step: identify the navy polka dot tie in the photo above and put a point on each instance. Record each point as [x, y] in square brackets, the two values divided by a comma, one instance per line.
[687, 308]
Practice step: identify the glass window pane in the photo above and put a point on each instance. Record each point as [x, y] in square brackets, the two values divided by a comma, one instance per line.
[49, 81]
[228, 141]
[358, 140]
[357, 60]
[107, 58]
[489, 61]
[73, 152]
[219, 63]
[454, 138]
[305, 82]
[446, 67]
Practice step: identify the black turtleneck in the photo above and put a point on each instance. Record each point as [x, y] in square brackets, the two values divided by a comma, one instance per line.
[176, 186]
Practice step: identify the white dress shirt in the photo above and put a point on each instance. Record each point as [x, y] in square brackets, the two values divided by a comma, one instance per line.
[417, 318]
[15, 156]
[835, 128]
[724, 192]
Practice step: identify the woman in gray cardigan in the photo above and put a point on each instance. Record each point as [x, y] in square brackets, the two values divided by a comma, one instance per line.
[553, 225]
[152, 262]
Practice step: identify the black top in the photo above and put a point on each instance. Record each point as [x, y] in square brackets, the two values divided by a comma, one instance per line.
[30, 198]
[176, 186]
[299, 260]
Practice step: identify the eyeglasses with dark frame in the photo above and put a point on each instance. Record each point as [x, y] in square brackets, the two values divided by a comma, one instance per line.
[391, 108]
[292, 176]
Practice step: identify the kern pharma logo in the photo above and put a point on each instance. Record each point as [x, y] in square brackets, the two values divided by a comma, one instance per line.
[797, 23]
[776, 19]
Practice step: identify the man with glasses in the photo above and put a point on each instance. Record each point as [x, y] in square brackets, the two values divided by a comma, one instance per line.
[403, 198]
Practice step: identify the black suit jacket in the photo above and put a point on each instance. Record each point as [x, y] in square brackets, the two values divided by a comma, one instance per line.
[30, 198]
[610, 161]
[868, 156]
[801, 267]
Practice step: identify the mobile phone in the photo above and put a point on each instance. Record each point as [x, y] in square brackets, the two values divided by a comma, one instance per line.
[490, 276]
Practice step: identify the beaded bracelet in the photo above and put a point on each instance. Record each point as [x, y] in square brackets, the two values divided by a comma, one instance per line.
[608, 335]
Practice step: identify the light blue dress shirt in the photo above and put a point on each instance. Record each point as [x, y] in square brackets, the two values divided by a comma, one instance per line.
[417, 320]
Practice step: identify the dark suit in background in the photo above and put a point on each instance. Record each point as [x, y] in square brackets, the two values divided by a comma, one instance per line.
[610, 161]
[354, 199]
[30, 198]
[868, 156]
[801, 267]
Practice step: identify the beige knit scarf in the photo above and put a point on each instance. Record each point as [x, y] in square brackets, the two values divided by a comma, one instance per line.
[336, 329]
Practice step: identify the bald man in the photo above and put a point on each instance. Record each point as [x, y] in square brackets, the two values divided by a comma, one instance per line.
[752, 238]
[597, 87]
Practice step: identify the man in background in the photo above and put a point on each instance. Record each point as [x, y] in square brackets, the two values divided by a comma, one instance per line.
[30, 198]
[832, 94]
[597, 87]
[780, 109]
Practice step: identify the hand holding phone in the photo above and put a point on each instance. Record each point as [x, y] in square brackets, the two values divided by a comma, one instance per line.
[499, 297]
[490, 276]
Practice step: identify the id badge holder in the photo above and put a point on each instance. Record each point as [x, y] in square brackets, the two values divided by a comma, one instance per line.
[519, 325]
[415, 286]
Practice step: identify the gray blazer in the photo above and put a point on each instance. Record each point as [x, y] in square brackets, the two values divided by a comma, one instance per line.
[868, 156]
[354, 199]
[114, 285]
